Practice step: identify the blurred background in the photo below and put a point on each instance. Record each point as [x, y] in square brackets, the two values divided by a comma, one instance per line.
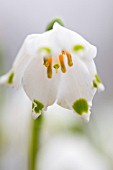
[70, 144]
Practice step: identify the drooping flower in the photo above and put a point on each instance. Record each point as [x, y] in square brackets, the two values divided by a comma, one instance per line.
[56, 67]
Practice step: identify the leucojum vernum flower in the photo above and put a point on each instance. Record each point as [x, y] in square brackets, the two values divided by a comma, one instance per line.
[56, 66]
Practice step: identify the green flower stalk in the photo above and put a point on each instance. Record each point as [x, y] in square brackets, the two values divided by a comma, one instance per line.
[35, 142]
[51, 24]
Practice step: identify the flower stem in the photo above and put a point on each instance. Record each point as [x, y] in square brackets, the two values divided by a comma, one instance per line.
[35, 142]
[50, 25]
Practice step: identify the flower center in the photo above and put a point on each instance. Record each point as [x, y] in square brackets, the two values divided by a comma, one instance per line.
[61, 63]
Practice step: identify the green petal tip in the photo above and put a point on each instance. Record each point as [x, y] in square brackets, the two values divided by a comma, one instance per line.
[37, 106]
[80, 106]
[10, 78]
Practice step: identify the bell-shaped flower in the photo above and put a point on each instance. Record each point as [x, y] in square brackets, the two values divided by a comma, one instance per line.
[56, 67]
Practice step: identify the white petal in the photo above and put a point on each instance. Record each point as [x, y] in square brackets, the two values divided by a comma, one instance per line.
[37, 85]
[3, 79]
[31, 49]
[101, 87]
[76, 84]
[91, 66]
[86, 117]
[23, 58]
[68, 39]
[46, 39]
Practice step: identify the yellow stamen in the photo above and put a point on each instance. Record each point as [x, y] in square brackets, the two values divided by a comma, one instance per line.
[49, 68]
[61, 59]
[69, 57]
[46, 63]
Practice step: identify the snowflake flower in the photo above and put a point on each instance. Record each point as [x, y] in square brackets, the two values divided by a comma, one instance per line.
[56, 67]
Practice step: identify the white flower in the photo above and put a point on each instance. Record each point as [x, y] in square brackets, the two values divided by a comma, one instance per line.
[56, 67]
[15, 116]
[70, 152]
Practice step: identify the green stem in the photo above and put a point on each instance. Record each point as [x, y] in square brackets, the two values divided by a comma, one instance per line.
[35, 142]
[50, 25]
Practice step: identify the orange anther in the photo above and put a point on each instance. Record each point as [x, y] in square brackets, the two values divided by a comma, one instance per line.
[49, 68]
[63, 52]
[46, 63]
[61, 59]
[69, 58]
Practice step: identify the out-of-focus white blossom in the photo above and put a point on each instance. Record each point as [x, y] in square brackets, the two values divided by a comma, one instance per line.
[15, 116]
[68, 152]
